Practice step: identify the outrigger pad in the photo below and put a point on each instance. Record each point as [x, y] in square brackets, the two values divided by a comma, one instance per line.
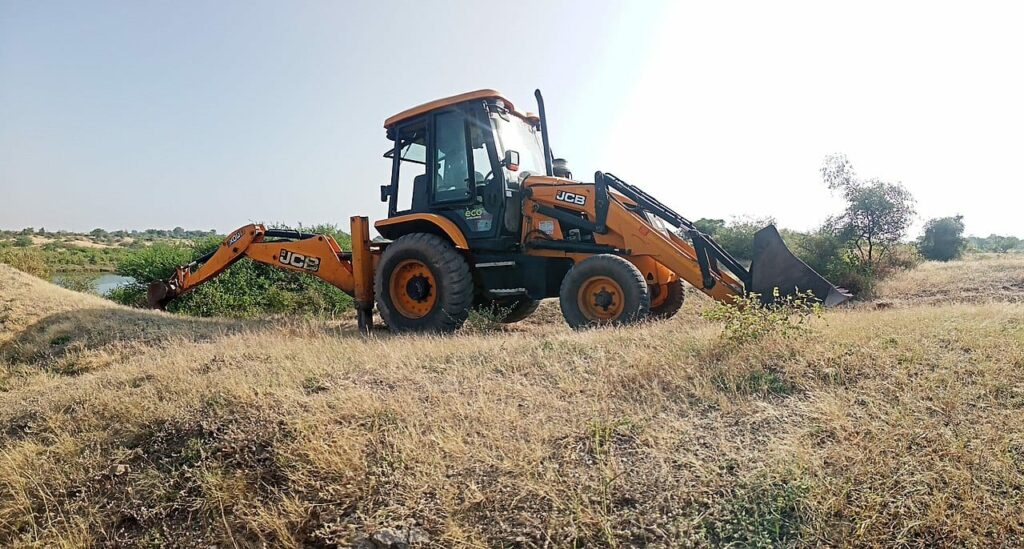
[774, 266]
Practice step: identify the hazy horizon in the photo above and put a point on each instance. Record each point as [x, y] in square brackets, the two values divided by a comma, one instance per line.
[118, 115]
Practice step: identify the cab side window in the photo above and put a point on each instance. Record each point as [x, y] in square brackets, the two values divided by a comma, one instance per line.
[411, 178]
[452, 181]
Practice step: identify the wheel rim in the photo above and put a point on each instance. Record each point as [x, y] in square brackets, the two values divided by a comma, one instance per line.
[413, 289]
[600, 299]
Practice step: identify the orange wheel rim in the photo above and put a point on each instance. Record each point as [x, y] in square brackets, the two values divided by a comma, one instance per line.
[600, 299]
[413, 289]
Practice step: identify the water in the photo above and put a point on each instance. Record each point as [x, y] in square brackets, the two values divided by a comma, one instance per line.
[102, 283]
[108, 281]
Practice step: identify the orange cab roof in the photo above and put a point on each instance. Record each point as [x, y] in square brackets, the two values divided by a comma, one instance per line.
[436, 104]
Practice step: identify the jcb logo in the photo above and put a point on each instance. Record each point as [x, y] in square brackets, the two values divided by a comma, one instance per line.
[292, 259]
[571, 198]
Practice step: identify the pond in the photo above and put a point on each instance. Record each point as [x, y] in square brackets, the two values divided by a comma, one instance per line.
[102, 282]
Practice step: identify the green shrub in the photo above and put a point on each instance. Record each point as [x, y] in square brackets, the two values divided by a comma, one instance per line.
[737, 236]
[84, 284]
[132, 295]
[758, 512]
[747, 319]
[901, 258]
[28, 260]
[155, 262]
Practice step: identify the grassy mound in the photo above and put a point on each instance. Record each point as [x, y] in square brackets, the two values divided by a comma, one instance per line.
[976, 279]
[891, 426]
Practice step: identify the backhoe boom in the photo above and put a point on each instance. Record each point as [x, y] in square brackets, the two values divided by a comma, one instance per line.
[314, 254]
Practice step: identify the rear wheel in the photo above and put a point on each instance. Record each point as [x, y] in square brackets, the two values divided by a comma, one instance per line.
[601, 290]
[673, 300]
[423, 285]
[509, 310]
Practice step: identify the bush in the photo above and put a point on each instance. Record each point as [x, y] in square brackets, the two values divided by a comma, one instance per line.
[155, 262]
[763, 511]
[901, 258]
[943, 238]
[747, 319]
[83, 284]
[28, 260]
[736, 236]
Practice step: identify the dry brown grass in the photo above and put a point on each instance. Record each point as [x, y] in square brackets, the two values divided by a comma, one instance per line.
[977, 278]
[902, 426]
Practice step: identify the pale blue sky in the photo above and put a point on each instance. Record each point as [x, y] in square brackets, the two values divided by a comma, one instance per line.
[214, 114]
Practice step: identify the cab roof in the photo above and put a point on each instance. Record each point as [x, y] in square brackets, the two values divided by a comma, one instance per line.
[438, 103]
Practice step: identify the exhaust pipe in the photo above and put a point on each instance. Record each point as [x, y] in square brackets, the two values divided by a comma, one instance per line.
[774, 266]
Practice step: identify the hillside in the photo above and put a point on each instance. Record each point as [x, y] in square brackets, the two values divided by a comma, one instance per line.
[896, 422]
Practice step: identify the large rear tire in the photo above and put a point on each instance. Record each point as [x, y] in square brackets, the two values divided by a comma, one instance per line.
[672, 303]
[604, 290]
[509, 310]
[423, 285]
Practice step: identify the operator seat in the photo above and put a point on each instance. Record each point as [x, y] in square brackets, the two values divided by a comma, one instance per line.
[514, 208]
[420, 197]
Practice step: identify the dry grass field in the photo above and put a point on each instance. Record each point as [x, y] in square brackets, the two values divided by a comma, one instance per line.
[894, 423]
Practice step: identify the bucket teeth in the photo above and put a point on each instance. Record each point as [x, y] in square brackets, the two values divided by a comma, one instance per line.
[774, 267]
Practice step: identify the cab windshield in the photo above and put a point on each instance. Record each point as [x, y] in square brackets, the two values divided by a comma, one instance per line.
[515, 134]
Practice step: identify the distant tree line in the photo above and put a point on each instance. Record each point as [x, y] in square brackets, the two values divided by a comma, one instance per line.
[177, 232]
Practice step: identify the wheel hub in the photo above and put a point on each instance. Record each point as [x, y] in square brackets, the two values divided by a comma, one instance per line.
[411, 289]
[418, 288]
[601, 299]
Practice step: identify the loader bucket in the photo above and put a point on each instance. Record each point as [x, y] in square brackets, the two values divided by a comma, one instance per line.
[774, 266]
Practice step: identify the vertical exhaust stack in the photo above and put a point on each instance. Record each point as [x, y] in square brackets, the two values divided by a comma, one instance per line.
[774, 266]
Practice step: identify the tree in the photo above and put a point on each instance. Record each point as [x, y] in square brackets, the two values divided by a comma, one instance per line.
[1003, 244]
[943, 238]
[709, 226]
[877, 215]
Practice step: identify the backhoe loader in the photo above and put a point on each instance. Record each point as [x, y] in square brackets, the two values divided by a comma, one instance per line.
[481, 214]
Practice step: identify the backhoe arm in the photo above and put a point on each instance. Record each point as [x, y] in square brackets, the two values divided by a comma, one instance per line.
[315, 254]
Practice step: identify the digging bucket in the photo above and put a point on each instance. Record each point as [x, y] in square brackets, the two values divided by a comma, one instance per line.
[774, 266]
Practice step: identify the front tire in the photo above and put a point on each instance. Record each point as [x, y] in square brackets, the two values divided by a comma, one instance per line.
[604, 290]
[672, 302]
[423, 285]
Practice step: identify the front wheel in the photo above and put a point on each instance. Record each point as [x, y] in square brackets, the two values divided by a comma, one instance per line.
[672, 301]
[604, 290]
[423, 285]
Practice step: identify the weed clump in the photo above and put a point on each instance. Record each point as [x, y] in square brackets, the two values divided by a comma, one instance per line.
[757, 512]
[747, 319]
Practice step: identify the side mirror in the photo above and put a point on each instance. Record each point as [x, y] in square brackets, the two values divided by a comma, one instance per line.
[511, 160]
[385, 193]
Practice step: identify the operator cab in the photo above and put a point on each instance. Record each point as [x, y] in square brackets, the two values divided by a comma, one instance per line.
[464, 158]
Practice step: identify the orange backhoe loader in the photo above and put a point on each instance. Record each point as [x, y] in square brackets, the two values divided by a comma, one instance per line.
[481, 214]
